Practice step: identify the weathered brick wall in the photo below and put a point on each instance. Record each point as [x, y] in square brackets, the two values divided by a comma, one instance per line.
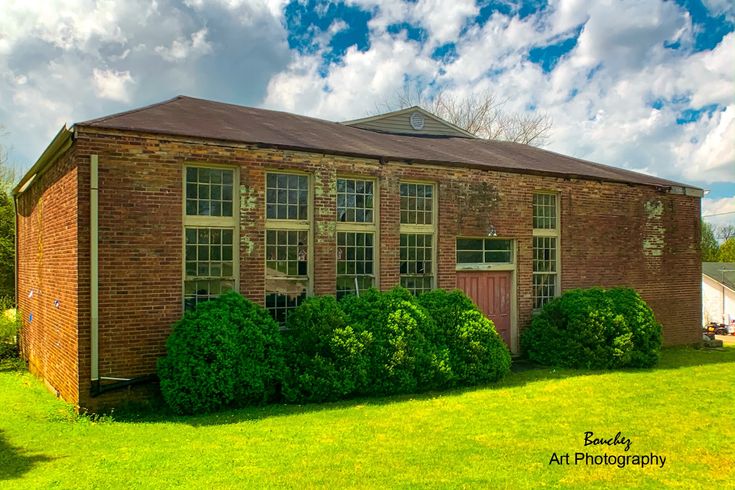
[612, 234]
[47, 276]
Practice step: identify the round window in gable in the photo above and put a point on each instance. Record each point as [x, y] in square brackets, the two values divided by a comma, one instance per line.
[417, 120]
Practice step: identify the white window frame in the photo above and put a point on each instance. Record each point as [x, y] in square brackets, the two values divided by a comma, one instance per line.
[195, 221]
[362, 227]
[272, 224]
[423, 229]
[549, 233]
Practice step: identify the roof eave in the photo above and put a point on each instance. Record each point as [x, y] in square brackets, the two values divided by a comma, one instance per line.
[61, 142]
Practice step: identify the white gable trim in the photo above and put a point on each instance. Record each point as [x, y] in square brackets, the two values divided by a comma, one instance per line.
[409, 110]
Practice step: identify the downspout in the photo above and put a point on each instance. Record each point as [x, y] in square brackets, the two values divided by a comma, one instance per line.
[19, 319]
[93, 275]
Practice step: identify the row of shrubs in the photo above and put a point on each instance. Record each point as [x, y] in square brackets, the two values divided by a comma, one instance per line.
[230, 352]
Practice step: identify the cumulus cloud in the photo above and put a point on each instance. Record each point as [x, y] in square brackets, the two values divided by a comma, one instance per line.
[719, 211]
[113, 85]
[112, 55]
[185, 49]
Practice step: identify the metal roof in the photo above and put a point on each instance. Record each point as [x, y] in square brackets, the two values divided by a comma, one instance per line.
[722, 272]
[198, 118]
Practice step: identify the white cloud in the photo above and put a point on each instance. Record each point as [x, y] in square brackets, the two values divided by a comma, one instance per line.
[719, 212]
[182, 49]
[444, 20]
[114, 55]
[113, 85]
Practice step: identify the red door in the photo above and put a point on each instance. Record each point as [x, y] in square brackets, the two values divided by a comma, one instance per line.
[491, 292]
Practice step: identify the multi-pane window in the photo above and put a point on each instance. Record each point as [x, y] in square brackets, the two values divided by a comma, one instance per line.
[417, 271]
[287, 196]
[484, 251]
[354, 201]
[545, 249]
[287, 253]
[286, 262]
[355, 270]
[544, 211]
[417, 245]
[210, 253]
[208, 192]
[417, 204]
[355, 235]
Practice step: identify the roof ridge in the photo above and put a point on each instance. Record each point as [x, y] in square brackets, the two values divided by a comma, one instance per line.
[132, 111]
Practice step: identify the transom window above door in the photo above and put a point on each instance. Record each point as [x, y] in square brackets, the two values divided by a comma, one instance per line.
[484, 251]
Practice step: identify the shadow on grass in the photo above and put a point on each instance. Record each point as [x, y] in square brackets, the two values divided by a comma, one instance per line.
[522, 373]
[15, 462]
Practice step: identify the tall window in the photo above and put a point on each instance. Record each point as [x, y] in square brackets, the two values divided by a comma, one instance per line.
[286, 243]
[545, 249]
[355, 235]
[210, 253]
[417, 236]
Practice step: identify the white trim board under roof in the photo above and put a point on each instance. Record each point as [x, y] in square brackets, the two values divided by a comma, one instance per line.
[412, 120]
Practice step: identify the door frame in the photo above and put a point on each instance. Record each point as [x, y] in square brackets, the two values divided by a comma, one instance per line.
[500, 267]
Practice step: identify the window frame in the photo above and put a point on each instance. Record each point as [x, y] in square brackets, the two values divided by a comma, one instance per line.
[274, 224]
[195, 221]
[496, 266]
[423, 229]
[358, 227]
[547, 233]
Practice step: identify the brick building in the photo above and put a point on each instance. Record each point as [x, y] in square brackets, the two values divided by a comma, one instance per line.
[127, 220]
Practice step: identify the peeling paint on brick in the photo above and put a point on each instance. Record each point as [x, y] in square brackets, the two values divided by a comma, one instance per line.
[654, 237]
[248, 198]
[326, 231]
[247, 244]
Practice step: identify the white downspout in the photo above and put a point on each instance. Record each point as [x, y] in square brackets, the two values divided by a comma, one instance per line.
[93, 259]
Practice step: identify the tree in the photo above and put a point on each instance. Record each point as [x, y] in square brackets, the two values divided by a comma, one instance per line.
[725, 232]
[708, 243]
[7, 232]
[727, 251]
[479, 113]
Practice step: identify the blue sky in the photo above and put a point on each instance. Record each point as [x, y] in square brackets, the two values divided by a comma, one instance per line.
[648, 86]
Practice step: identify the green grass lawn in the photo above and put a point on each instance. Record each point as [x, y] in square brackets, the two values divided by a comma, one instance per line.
[499, 436]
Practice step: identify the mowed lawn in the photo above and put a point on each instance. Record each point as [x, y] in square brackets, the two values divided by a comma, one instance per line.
[499, 436]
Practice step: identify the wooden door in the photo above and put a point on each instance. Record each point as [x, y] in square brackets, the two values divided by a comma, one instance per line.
[491, 292]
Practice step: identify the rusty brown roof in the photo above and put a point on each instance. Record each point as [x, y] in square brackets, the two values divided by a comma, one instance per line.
[198, 118]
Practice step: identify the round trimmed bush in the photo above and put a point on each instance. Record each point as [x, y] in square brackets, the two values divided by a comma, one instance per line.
[594, 328]
[228, 351]
[327, 358]
[477, 353]
[402, 358]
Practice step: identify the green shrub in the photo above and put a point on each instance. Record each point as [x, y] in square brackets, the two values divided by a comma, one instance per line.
[594, 328]
[9, 324]
[327, 358]
[477, 354]
[402, 358]
[228, 351]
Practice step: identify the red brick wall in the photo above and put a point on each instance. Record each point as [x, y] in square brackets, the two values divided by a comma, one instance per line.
[612, 234]
[47, 268]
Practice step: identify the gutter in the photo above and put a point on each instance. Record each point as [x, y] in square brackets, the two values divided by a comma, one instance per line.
[61, 142]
